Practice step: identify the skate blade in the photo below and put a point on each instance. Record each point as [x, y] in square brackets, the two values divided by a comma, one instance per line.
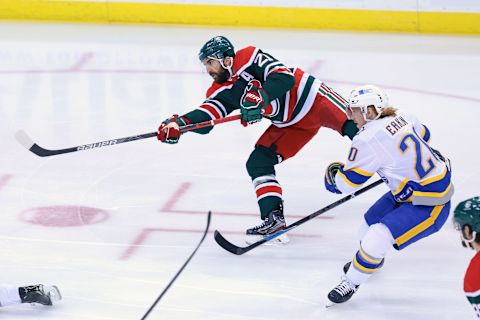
[281, 240]
[330, 304]
[53, 292]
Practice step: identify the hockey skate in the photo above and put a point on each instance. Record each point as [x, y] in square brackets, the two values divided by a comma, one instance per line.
[341, 293]
[272, 223]
[39, 294]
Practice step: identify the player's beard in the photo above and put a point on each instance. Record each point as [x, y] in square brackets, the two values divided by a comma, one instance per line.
[220, 76]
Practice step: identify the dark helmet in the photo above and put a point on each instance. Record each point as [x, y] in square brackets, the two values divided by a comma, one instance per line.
[218, 47]
[468, 212]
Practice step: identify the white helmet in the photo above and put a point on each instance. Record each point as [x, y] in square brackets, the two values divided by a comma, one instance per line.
[368, 95]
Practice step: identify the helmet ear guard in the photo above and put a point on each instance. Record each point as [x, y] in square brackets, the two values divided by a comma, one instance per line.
[466, 242]
[222, 63]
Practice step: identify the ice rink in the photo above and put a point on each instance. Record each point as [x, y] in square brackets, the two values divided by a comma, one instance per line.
[112, 226]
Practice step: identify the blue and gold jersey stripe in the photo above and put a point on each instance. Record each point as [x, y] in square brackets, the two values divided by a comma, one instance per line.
[434, 194]
[355, 177]
[436, 186]
[434, 179]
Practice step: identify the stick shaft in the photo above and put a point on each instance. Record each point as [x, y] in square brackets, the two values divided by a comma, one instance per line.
[230, 247]
[209, 123]
[25, 140]
[181, 269]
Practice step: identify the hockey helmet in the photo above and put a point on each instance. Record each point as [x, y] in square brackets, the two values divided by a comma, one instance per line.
[468, 213]
[218, 48]
[366, 96]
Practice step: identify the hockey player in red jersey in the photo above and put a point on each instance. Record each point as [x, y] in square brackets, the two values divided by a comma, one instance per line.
[467, 221]
[260, 86]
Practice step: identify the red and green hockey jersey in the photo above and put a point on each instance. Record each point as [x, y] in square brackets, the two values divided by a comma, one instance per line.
[291, 91]
[471, 284]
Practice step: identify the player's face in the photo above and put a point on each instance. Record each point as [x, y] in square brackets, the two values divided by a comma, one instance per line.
[466, 235]
[216, 71]
[357, 116]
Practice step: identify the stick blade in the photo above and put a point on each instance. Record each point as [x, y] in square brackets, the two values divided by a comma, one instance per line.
[22, 137]
[225, 244]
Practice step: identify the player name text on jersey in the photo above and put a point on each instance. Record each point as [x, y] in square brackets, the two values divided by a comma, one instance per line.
[395, 125]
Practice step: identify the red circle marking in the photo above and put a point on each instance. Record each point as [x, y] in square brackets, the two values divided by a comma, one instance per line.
[64, 216]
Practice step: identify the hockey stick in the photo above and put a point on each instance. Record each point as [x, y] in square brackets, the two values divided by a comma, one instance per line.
[181, 269]
[28, 143]
[225, 244]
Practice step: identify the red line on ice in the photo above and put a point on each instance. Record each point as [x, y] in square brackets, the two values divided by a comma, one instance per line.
[133, 246]
[174, 199]
[81, 62]
[441, 94]
[143, 235]
[238, 214]
[4, 178]
[168, 206]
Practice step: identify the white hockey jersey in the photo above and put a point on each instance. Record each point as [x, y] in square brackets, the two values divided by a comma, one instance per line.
[397, 149]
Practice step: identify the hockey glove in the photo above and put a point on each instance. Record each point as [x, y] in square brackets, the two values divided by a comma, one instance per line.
[252, 103]
[330, 174]
[169, 130]
[440, 157]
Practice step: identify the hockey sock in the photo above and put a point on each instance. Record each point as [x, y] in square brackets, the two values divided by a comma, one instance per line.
[373, 248]
[269, 194]
[9, 295]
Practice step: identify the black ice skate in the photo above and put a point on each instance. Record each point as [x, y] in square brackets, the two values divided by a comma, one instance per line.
[272, 223]
[342, 293]
[39, 294]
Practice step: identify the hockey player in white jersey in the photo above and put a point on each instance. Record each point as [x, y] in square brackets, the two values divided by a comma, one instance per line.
[11, 295]
[394, 145]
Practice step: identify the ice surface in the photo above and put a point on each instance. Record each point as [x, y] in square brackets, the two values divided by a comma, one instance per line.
[112, 226]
